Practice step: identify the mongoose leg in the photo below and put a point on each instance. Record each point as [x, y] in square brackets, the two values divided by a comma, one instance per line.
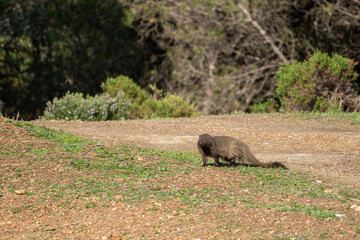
[216, 161]
[204, 161]
[203, 156]
[239, 159]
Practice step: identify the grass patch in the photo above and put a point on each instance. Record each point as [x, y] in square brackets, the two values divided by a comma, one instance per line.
[348, 193]
[353, 117]
[282, 182]
[311, 210]
[70, 143]
[90, 205]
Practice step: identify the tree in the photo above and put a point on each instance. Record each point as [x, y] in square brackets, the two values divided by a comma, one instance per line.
[220, 54]
[50, 47]
[219, 60]
[224, 53]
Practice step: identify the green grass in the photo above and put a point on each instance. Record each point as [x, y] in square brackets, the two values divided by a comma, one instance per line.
[70, 143]
[90, 205]
[348, 193]
[311, 210]
[282, 182]
[354, 117]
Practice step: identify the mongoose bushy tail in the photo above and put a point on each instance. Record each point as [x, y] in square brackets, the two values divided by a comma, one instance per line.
[229, 149]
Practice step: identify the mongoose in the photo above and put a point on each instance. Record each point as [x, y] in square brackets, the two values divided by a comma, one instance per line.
[229, 149]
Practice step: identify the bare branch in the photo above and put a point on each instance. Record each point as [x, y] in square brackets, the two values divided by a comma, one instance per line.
[263, 33]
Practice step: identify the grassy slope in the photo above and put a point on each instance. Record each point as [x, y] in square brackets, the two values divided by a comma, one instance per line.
[75, 188]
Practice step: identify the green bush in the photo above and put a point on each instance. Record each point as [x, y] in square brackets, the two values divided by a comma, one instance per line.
[102, 107]
[321, 83]
[269, 106]
[321, 105]
[122, 99]
[145, 105]
[172, 106]
[139, 97]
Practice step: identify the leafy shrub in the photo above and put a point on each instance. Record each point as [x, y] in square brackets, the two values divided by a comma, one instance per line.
[138, 96]
[122, 99]
[321, 105]
[98, 108]
[172, 106]
[145, 105]
[269, 106]
[321, 83]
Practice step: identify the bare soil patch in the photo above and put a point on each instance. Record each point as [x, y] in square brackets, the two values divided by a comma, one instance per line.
[327, 147]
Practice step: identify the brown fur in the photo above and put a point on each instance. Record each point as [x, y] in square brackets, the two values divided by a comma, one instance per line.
[229, 149]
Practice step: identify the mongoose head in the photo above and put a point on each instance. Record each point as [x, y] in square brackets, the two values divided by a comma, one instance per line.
[205, 140]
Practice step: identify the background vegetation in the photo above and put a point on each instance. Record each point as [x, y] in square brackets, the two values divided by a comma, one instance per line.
[121, 99]
[322, 83]
[221, 55]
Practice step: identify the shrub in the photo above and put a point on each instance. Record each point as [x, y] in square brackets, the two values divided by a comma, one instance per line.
[67, 107]
[269, 106]
[138, 96]
[321, 83]
[172, 106]
[122, 99]
[102, 107]
[145, 105]
[321, 105]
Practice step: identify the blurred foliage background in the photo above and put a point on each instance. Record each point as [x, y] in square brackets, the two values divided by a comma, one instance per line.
[222, 55]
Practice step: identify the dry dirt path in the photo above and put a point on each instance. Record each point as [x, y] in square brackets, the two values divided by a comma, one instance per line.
[326, 147]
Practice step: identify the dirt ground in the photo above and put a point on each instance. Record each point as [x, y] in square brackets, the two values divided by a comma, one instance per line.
[324, 146]
[55, 190]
